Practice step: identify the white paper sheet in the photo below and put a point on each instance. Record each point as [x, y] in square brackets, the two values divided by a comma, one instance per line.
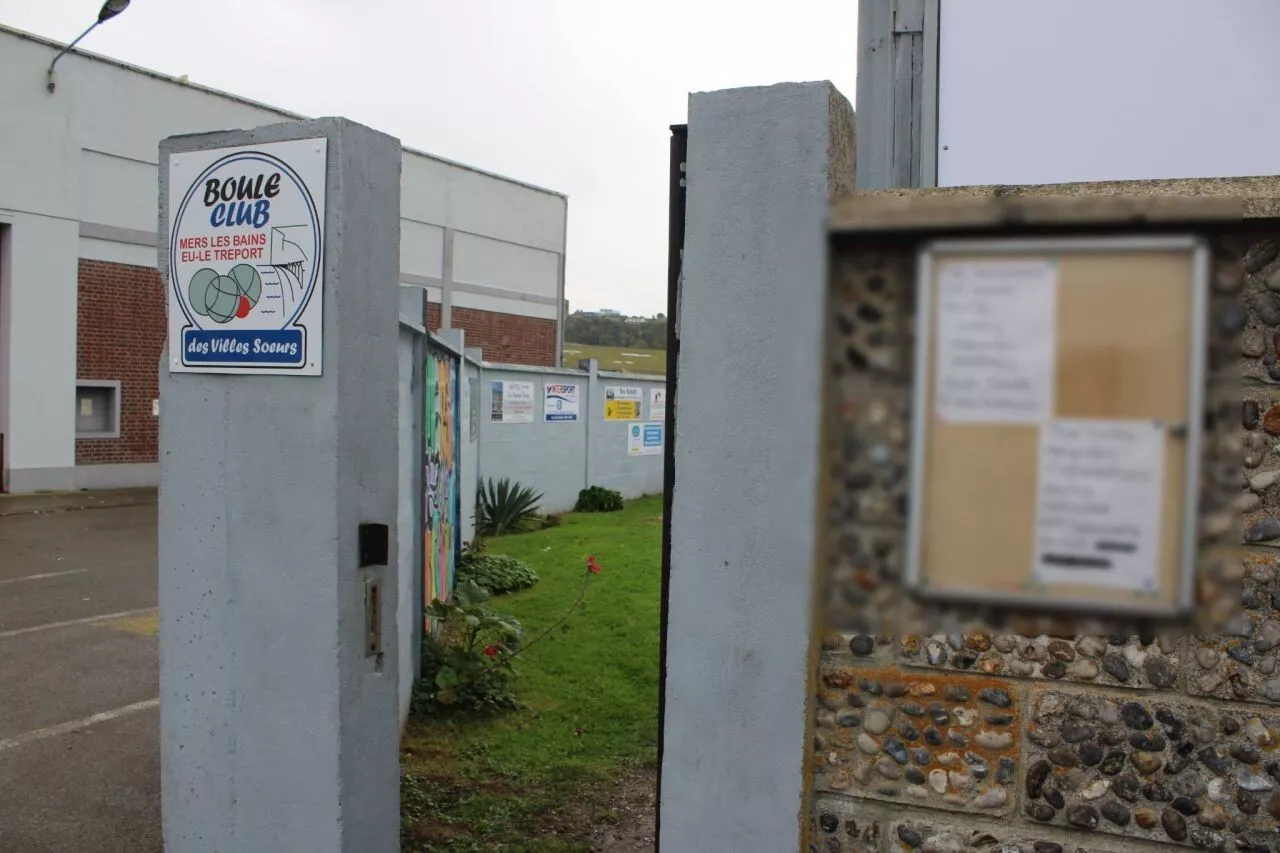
[1098, 503]
[996, 341]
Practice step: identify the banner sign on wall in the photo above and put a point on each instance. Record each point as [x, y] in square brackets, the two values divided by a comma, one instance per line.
[246, 245]
[560, 402]
[511, 402]
[657, 404]
[622, 403]
[644, 439]
[441, 496]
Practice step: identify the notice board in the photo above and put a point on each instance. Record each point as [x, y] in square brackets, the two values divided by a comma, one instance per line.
[1056, 425]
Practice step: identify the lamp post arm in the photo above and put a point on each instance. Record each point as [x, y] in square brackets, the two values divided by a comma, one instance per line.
[52, 80]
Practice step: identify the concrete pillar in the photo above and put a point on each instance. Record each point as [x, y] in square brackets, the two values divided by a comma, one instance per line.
[278, 720]
[762, 164]
[446, 280]
[456, 338]
[593, 415]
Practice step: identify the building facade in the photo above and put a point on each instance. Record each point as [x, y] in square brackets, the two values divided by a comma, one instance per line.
[82, 307]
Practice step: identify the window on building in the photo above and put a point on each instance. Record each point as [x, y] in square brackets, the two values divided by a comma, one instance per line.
[97, 409]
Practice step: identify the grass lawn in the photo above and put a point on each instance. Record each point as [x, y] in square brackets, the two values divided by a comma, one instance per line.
[533, 780]
[630, 359]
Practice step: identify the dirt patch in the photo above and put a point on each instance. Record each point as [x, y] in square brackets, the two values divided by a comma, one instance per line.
[439, 812]
[628, 826]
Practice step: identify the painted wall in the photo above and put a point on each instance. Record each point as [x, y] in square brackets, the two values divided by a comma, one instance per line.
[409, 514]
[440, 480]
[560, 458]
[78, 181]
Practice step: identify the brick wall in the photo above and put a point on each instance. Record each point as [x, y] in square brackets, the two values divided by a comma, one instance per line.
[120, 312]
[433, 316]
[507, 337]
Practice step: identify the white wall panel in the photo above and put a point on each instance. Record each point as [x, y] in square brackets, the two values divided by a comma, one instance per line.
[38, 172]
[118, 192]
[481, 204]
[421, 249]
[424, 185]
[493, 263]
[43, 269]
[117, 253]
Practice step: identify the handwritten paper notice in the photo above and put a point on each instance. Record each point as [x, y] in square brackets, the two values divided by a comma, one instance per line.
[1099, 503]
[996, 341]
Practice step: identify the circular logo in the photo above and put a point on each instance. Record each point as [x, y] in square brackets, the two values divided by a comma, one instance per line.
[245, 246]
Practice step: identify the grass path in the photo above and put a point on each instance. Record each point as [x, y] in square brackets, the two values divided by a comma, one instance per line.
[538, 779]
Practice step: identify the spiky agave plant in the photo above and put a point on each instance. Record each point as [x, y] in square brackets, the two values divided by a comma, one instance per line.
[506, 507]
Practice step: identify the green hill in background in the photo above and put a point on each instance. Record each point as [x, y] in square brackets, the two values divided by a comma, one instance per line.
[628, 359]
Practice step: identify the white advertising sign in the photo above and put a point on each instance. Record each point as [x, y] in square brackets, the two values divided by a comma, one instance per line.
[657, 404]
[246, 247]
[996, 340]
[560, 402]
[511, 402]
[644, 439]
[1098, 503]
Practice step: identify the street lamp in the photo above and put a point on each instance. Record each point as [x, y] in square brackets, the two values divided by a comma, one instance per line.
[109, 10]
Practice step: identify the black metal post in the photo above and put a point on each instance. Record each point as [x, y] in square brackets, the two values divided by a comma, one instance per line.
[675, 255]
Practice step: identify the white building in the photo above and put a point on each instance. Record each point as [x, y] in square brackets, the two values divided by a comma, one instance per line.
[82, 310]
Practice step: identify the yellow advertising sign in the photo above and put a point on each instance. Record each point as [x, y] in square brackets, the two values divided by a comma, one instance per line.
[622, 402]
[622, 410]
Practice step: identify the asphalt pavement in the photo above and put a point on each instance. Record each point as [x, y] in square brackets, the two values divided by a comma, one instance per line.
[79, 706]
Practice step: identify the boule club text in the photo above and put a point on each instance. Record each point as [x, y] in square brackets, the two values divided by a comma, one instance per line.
[233, 202]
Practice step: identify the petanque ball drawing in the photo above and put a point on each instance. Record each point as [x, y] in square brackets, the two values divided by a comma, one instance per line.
[222, 297]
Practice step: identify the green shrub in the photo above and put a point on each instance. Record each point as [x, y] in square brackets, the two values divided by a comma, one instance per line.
[598, 499]
[506, 507]
[496, 573]
[466, 663]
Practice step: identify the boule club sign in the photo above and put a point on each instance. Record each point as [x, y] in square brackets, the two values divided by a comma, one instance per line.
[246, 247]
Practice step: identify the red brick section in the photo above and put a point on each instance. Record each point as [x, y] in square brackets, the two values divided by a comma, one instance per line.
[433, 316]
[120, 335]
[508, 338]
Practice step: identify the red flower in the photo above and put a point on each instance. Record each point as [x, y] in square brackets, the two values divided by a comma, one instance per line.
[592, 565]
[491, 651]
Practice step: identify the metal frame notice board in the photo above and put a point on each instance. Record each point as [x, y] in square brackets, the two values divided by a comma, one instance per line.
[1057, 422]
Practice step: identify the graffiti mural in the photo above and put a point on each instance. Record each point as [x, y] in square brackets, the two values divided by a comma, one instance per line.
[440, 477]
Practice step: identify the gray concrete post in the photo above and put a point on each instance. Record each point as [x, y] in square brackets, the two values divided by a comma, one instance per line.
[278, 729]
[593, 413]
[762, 164]
[456, 338]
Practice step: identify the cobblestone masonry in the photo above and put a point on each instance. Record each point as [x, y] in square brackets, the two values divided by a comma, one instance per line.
[1018, 735]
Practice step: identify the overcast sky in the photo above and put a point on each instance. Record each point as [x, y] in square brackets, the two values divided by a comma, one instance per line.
[573, 95]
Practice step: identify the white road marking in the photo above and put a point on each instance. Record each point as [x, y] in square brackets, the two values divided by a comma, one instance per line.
[46, 575]
[75, 725]
[88, 620]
